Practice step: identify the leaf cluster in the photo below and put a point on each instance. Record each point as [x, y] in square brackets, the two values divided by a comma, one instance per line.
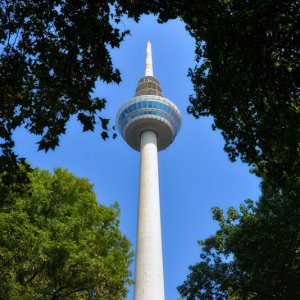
[57, 242]
[255, 253]
[247, 79]
[51, 54]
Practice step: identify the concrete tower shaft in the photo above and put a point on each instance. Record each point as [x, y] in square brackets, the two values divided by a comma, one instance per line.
[149, 276]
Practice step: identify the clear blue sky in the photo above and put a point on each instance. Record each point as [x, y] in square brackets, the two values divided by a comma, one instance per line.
[195, 173]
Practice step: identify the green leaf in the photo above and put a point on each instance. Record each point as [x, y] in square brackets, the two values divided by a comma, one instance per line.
[104, 135]
[104, 123]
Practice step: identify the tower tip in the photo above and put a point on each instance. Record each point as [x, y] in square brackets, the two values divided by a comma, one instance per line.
[149, 66]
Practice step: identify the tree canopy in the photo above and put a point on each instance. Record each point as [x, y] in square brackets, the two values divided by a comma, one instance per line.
[57, 242]
[255, 253]
[51, 54]
[247, 77]
[248, 80]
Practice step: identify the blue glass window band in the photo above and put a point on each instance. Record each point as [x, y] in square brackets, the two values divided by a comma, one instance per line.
[124, 120]
[150, 112]
[134, 108]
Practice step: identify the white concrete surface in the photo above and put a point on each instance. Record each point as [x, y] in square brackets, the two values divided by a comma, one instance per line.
[149, 277]
[149, 66]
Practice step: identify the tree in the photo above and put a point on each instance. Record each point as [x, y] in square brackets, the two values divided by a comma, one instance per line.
[247, 77]
[58, 243]
[248, 80]
[51, 54]
[255, 253]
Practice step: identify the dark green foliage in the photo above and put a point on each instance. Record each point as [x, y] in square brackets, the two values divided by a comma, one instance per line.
[15, 174]
[255, 254]
[51, 54]
[248, 79]
[58, 243]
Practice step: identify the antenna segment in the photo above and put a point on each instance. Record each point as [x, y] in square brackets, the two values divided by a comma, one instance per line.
[149, 66]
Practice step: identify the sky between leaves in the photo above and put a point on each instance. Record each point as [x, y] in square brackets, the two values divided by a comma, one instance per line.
[195, 173]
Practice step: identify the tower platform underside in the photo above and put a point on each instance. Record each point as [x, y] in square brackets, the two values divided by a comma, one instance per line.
[138, 126]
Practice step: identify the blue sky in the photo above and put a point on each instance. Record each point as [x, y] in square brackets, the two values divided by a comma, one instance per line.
[195, 173]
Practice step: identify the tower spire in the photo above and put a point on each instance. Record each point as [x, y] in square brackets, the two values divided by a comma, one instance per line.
[149, 67]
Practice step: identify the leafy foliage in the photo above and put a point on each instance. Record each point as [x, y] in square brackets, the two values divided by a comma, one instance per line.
[248, 79]
[51, 54]
[255, 254]
[58, 243]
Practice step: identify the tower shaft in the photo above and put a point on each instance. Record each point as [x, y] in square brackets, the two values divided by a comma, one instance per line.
[149, 276]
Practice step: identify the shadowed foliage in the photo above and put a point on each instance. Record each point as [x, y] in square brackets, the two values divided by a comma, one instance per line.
[51, 54]
[246, 77]
[255, 253]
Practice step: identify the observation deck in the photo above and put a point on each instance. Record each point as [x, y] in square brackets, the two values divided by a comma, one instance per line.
[149, 110]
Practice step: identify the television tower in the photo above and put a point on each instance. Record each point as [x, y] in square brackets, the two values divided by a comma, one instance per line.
[149, 123]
